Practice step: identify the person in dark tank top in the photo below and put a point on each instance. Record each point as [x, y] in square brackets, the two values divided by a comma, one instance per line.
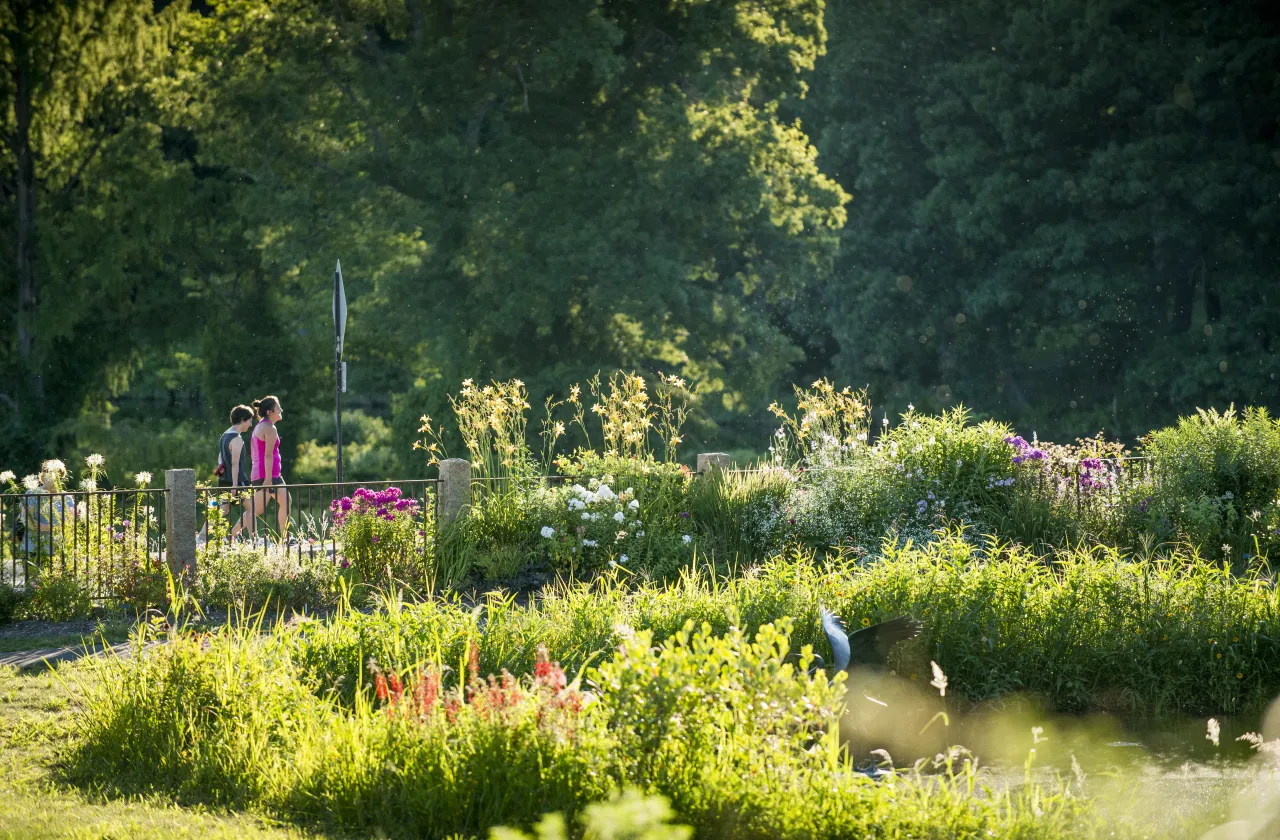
[233, 461]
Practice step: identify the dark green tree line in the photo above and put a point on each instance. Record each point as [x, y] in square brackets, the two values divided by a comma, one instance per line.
[1061, 214]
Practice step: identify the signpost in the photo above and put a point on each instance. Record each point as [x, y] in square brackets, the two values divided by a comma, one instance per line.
[339, 366]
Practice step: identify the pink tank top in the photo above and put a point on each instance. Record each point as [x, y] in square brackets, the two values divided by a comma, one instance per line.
[258, 454]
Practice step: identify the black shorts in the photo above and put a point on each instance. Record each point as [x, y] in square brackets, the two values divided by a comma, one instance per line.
[275, 482]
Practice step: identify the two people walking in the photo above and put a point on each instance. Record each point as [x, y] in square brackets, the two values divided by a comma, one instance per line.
[261, 469]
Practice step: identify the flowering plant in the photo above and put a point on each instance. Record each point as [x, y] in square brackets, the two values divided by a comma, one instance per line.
[545, 701]
[379, 530]
[596, 527]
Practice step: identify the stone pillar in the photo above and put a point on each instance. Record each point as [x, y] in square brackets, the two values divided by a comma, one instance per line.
[180, 522]
[708, 461]
[454, 491]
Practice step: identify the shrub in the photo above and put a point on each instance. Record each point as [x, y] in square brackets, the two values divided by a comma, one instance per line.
[13, 603]
[382, 533]
[1215, 479]
[59, 595]
[741, 741]
[245, 575]
[1093, 630]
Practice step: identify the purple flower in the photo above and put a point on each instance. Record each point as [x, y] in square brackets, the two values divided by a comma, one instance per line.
[1092, 463]
[346, 564]
[1036, 455]
[375, 537]
[1016, 441]
[684, 514]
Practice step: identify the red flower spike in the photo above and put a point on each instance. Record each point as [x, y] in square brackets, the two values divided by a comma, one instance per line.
[397, 688]
[381, 687]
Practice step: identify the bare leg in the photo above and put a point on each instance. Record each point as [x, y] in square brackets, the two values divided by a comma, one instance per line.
[283, 503]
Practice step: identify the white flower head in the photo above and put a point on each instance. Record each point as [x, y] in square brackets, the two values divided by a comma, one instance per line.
[8, 477]
[30, 482]
[142, 479]
[53, 467]
[624, 558]
[576, 504]
[619, 516]
[1215, 731]
[910, 407]
[586, 517]
[633, 504]
[88, 484]
[604, 494]
[939, 680]
[687, 539]
[590, 543]
[548, 532]
[95, 461]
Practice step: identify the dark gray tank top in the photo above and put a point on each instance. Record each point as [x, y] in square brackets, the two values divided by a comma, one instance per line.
[224, 449]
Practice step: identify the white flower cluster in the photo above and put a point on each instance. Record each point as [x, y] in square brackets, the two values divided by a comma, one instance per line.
[142, 479]
[8, 477]
[95, 461]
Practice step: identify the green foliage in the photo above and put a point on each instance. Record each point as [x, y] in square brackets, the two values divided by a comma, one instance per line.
[58, 596]
[628, 815]
[367, 451]
[242, 575]
[384, 535]
[1062, 213]
[1092, 630]
[1216, 481]
[13, 603]
[744, 741]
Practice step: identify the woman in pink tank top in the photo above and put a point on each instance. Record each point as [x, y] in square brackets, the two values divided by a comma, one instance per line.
[264, 453]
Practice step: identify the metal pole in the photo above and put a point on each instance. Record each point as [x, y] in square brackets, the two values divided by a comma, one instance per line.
[337, 367]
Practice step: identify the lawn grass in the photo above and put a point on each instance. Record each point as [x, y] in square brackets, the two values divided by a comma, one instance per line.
[36, 713]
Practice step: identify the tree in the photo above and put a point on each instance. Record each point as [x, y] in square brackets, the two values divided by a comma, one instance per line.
[535, 190]
[72, 80]
[1062, 214]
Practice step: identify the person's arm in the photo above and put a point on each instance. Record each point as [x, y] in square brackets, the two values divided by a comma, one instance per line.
[236, 447]
[269, 438]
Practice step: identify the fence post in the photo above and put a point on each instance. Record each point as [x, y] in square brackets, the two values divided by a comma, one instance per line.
[180, 521]
[708, 461]
[455, 489]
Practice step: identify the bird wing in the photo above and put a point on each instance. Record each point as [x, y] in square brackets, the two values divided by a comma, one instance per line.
[871, 645]
[838, 638]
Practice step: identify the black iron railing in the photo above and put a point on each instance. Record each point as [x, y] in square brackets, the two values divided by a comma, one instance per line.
[298, 518]
[98, 536]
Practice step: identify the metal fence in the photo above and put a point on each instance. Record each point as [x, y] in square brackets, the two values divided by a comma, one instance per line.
[96, 535]
[304, 524]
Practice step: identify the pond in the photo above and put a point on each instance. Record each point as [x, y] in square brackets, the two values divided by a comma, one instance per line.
[1165, 775]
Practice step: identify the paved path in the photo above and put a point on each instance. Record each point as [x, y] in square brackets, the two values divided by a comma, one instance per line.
[27, 660]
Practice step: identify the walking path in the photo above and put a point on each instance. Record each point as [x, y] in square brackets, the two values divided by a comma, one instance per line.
[28, 660]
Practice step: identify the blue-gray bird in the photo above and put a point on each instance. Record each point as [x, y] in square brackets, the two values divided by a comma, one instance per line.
[869, 646]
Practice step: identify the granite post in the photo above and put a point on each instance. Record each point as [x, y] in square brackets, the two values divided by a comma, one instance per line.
[455, 489]
[180, 522]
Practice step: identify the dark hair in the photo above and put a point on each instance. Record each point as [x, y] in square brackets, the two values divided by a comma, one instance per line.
[241, 413]
[266, 405]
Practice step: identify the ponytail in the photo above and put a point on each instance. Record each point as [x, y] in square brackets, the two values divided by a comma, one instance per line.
[265, 406]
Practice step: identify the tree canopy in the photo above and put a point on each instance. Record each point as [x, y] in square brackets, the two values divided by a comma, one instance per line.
[1062, 215]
